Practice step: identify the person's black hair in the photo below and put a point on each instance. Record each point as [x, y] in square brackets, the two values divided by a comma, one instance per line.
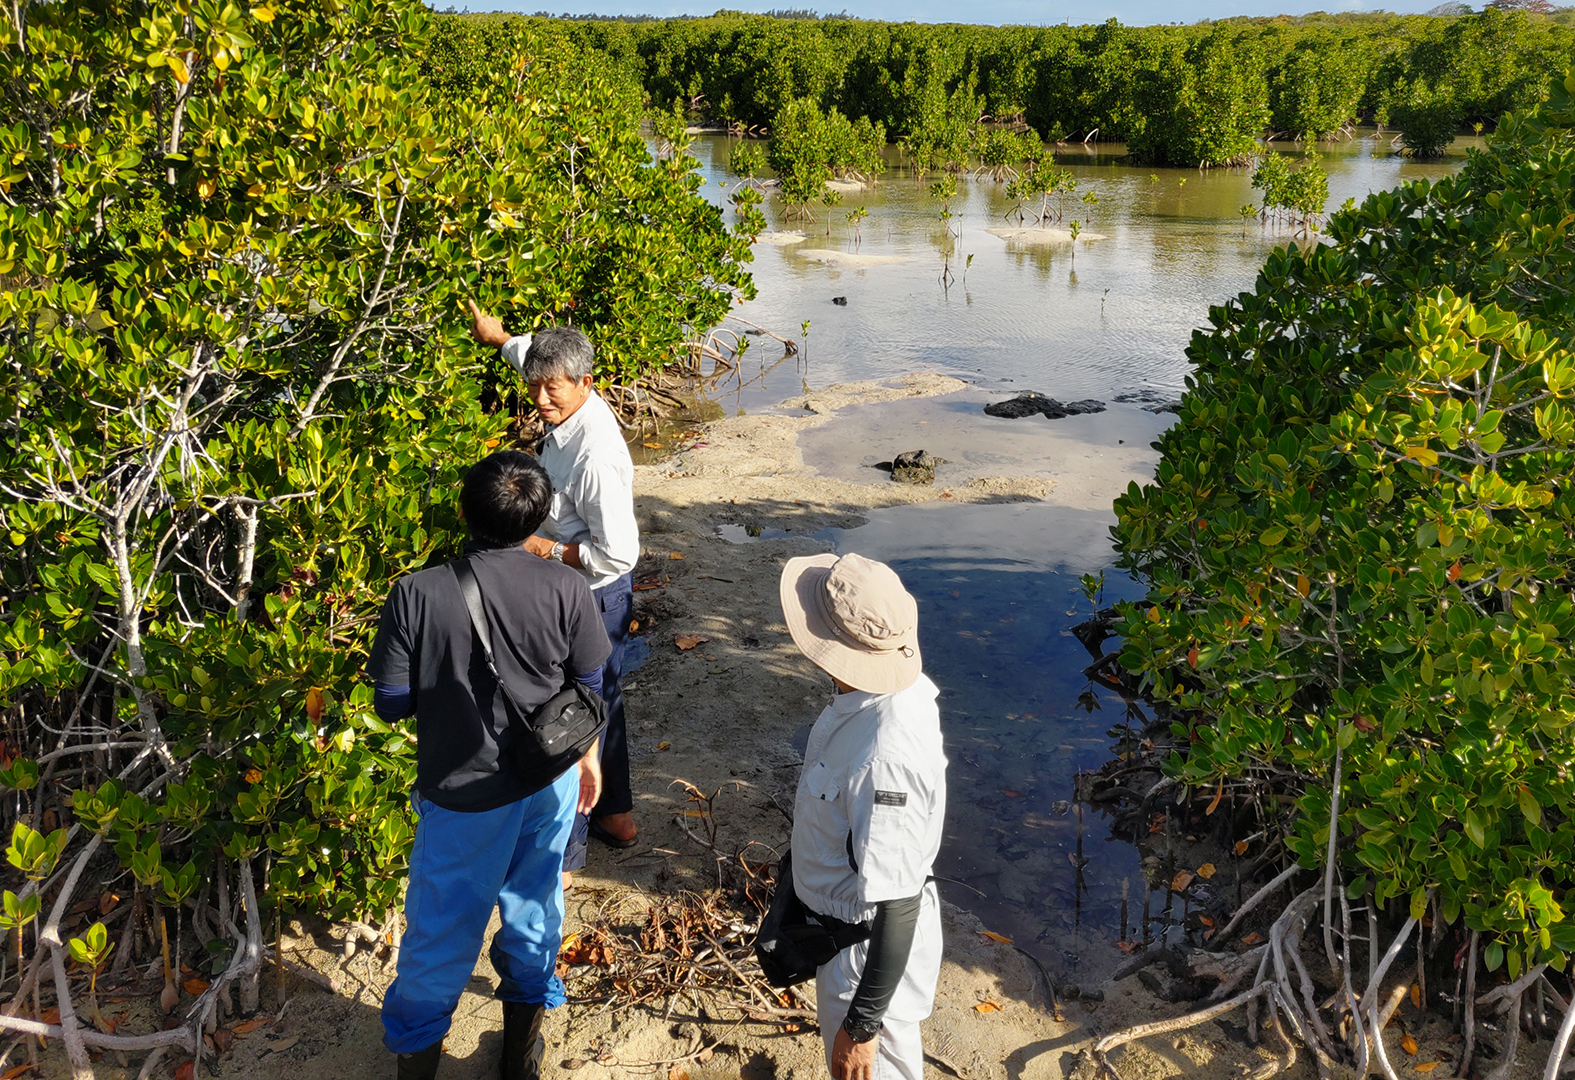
[505, 497]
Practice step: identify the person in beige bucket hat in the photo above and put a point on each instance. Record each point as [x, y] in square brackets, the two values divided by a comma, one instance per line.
[854, 620]
[868, 814]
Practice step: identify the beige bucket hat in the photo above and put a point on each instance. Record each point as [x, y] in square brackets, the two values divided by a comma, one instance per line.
[853, 618]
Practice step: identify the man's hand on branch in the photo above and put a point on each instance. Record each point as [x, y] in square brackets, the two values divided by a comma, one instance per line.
[590, 778]
[487, 329]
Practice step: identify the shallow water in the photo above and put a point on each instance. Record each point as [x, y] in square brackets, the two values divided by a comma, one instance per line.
[1113, 317]
[997, 585]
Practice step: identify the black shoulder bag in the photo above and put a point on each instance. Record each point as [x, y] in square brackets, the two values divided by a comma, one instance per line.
[793, 940]
[551, 738]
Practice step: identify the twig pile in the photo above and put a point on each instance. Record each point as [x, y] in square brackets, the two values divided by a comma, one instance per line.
[689, 948]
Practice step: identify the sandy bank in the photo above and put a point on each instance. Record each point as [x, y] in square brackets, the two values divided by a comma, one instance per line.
[848, 260]
[777, 239]
[1041, 237]
[846, 187]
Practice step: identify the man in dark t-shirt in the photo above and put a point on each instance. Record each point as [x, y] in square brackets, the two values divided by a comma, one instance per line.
[483, 837]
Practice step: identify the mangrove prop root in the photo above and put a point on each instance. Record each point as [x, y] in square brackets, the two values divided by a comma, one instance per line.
[1252, 902]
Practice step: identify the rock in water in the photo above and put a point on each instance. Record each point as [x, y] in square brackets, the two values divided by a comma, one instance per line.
[915, 467]
[1031, 403]
[840, 301]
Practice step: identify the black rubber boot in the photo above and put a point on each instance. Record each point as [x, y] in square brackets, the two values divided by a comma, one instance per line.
[421, 1065]
[523, 1044]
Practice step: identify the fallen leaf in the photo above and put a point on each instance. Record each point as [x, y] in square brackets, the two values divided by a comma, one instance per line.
[20, 1070]
[1129, 947]
[1206, 871]
[664, 745]
[993, 936]
[792, 1029]
[1408, 1044]
[1010, 794]
[986, 1007]
[652, 445]
[1241, 847]
[705, 1055]
[283, 1044]
[246, 1027]
[1253, 938]
[50, 1015]
[675, 1073]
[223, 1039]
[1426, 1066]
[685, 642]
[676, 556]
[1214, 804]
[186, 1071]
[1205, 920]
[195, 987]
[1182, 879]
[1416, 995]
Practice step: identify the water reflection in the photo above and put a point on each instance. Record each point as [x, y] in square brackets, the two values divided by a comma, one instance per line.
[998, 592]
[1116, 316]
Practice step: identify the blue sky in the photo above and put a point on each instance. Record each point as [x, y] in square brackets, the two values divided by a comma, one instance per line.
[1029, 12]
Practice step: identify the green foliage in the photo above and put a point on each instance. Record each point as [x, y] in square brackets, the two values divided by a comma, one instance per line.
[1188, 95]
[239, 390]
[1202, 104]
[1299, 193]
[34, 853]
[746, 160]
[92, 948]
[17, 912]
[1428, 119]
[1358, 542]
[809, 147]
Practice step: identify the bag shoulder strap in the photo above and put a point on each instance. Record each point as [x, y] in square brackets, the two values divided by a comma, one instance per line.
[471, 591]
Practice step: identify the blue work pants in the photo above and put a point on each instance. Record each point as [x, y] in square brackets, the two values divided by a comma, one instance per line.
[462, 865]
[616, 601]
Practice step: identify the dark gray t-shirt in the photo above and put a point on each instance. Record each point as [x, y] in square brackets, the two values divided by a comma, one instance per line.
[545, 628]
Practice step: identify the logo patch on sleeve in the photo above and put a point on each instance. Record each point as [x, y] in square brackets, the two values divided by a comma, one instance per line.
[891, 798]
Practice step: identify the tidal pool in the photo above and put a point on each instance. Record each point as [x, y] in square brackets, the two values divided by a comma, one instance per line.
[997, 585]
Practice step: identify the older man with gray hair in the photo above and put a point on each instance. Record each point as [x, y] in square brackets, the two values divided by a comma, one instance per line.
[591, 527]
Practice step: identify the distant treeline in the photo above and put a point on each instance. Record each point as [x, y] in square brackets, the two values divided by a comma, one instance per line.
[1183, 95]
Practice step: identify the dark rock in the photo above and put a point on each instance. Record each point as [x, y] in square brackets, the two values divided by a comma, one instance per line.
[1030, 404]
[840, 301]
[915, 467]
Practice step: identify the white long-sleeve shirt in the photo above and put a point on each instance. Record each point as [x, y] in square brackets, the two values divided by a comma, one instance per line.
[592, 484]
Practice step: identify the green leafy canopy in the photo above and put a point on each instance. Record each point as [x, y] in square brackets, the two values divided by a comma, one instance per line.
[1359, 540]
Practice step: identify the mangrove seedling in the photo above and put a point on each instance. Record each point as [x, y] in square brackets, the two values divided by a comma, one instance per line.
[828, 199]
[91, 950]
[1246, 211]
[856, 218]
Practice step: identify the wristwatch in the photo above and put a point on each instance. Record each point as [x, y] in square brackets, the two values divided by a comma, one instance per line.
[861, 1032]
[557, 551]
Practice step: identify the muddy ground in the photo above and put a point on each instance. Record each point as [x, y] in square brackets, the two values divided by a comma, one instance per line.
[722, 716]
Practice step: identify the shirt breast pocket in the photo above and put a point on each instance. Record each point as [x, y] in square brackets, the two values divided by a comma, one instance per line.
[820, 783]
